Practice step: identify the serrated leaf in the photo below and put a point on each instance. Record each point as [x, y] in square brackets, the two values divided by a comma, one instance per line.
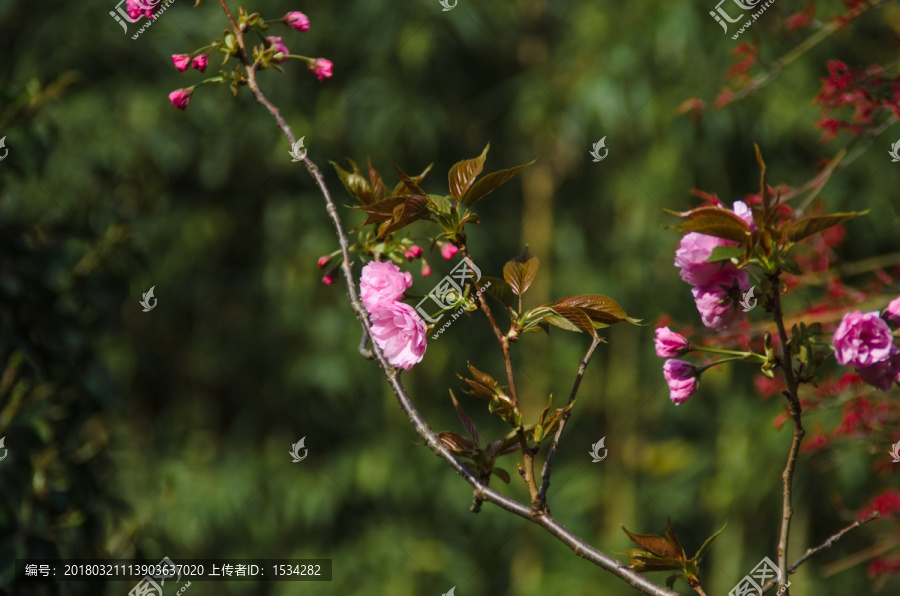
[491, 182]
[501, 474]
[498, 289]
[813, 225]
[725, 253]
[456, 443]
[520, 272]
[706, 545]
[658, 545]
[577, 317]
[467, 422]
[463, 174]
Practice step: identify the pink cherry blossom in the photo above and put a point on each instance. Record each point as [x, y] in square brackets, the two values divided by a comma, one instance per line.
[321, 68]
[297, 20]
[690, 258]
[181, 61]
[180, 98]
[717, 310]
[883, 374]
[862, 339]
[741, 209]
[381, 284]
[400, 333]
[413, 252]
[448, 251]
[892, 313]
[670, 344]
[200, 62]
[682, 378]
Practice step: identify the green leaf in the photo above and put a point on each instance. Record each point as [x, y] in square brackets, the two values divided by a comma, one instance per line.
[502, 406]
[508, 444]
[358, 187]
[578, 320]
[498, 289]
[813, 225]
[501, 474]
[725, 253]
[520, 272]
[463, 174]
[491, 182]
[708, 544]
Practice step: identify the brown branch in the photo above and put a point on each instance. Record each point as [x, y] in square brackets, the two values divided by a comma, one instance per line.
[482, 491]
[787, 476]
[827, 544]
[545, 473]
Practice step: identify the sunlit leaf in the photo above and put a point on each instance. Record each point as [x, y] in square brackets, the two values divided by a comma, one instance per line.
[456, 443]
[810, 226]
[520, 272]
[658, 545]
[498, 289]
[491, 182]
[725, 253]
[599, 308]
[357, 186]
[409, 185]
[463, 174]
[577, 317]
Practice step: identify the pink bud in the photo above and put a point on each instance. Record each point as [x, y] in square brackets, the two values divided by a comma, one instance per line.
[414, 252]
[682, 378]
[181, 61]
[892, 313]
[426, 268]
[321, 68]
[297, 20]
[448, 250]
[180, 98]
[279, 47]
[200, 62]
[330, 277]
[323, 261]
[670, 344]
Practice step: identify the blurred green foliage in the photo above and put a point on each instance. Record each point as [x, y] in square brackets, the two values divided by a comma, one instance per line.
[166, 433]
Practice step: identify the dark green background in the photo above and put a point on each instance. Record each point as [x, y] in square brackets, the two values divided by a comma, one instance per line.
[167, 433]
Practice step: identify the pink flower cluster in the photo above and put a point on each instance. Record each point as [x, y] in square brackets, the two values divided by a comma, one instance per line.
[715, 284]
[396, 327]
[866, 343]
[138, 8]
[682, 377]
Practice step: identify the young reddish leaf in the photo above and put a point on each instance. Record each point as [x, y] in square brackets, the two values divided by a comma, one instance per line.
[501, 474]
[508, 444]
[600, 308]
[463, 174]
[805, 228]
[658, 545]
[415, 208]
[499, 289]
[577, 317]
[467, 422]
[673, 538]
[491, 182]
[456, 443]
[714, 221]
[410, 185]
[378, 187]
[483, 377]
[520, 272]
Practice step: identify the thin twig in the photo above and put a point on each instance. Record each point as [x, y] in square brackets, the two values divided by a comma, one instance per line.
[827, 544]
[787, 477]
[545, 473]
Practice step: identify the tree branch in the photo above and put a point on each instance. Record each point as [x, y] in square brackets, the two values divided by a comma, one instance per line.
[827, 544]
[545, 473]
[787, 476]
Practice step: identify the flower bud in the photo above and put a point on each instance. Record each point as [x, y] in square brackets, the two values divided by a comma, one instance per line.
[296, 20]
